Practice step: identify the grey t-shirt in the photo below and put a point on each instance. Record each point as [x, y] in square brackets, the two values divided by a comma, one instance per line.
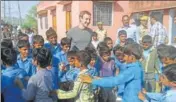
[81, 38]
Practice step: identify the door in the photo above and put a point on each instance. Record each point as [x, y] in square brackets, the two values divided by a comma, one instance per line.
[68, 20]
[172, 27]
[54, 20]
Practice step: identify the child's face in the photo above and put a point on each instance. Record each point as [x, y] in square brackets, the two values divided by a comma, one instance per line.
[65, 48]
[92, 62]
[167, 61]
[146, 45]
[106, 57]
[119, 55]
[110, 44]
[24, 51]
[94, 38]
[122, 38]
[53, 39]
[77, 63]
[127, 58]
[71, 61]
[37, 45]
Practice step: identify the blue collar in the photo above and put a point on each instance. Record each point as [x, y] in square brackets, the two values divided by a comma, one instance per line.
[25, 59]
[133, 64]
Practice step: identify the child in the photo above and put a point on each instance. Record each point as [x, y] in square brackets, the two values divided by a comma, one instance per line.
[108, 41]
[129, 41]
[150, 64]
[131, 77]
[24, 61]
[81, 91]
[95, 40]
[120, 64]
[168, 79]
[37, 41]
[23, 36]
[9, 87]
[107, 69]
[40, 85]
[52, 38]
[122, 35]
[69, 74]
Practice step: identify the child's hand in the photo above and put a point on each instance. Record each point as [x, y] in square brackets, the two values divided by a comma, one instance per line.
[141, 96]
[49, 67]
[62, 67]
[144, 91]
[19, 83]
[86, 79]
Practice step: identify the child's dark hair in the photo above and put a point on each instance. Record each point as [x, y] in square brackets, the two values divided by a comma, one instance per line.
[104, 50]
[163, 50]
[21, 35]
[50, 32]
[147, 39]
[23, 43]
[9, 56]
[170, 72]
[118, 48]
[133, 49]
[129, 41]
[65, 41]
[172, 52]
[91, 51]
[37, 39]
[101, 45]
[71, 54]
[6, 43]
[94, 34]
[43, 56]
[83, 57]
[106, 39]
[122, 32]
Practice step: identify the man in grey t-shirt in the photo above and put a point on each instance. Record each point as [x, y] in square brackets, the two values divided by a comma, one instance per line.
[81, 35]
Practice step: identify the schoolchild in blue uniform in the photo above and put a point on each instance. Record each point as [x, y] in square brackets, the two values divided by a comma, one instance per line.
[121, 65]
[24, 61]
[132, 77]
[52, 44]
[69, 74]
[40, 85]
[10, 90]
[168, 79]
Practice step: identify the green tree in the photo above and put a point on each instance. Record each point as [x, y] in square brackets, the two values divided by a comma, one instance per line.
[30, 20]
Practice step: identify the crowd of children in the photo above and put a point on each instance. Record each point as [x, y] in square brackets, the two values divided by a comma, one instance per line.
[102, 72]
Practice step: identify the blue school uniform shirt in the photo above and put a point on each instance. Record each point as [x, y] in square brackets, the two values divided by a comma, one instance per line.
[168, 96]
[71, 74]
[11, 92]
[92, 71]
[27, 65]
[53, 49]
[132, 78]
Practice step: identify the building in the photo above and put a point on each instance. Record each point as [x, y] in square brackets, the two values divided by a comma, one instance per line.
[165, 11]
[62, 15]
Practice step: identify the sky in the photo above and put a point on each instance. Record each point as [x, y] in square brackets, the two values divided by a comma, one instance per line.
[24, 6]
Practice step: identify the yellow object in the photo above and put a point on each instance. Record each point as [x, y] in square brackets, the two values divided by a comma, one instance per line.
[144, 18]
[99, 23]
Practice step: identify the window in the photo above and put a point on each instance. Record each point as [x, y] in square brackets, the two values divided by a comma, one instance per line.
[46, 22]
[41, 23]
[102, 12]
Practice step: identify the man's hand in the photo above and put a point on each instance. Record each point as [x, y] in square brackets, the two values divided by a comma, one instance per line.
[141, 96]
[86, 79]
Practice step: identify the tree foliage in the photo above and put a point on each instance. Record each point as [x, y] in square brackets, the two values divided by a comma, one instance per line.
[30, 20]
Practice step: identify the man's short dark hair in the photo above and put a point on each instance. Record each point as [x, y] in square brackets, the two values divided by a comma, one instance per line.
[82, 13]
[23, 43]
[94, 34]
[154, 16]
[9, 56]
[83, 57]
[43, 56]
[6, 43]
[170, 72]
[133, 49]
[117, 48]
[65, 41]
[147, 39]
[37, 39]
[122, 32]
[125, 16]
